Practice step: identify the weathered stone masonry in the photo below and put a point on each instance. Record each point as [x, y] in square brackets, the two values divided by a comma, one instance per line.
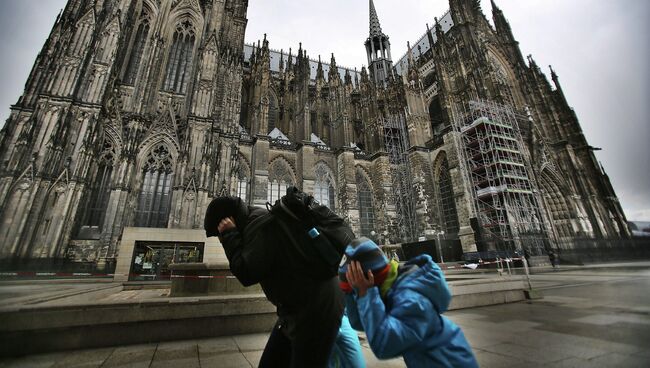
[139, 112]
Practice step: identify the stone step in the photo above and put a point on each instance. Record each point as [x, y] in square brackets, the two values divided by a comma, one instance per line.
[115, 321]
[40, 329]
[487, 291]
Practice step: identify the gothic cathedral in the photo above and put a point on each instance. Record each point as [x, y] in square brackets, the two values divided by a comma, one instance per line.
[137, 113]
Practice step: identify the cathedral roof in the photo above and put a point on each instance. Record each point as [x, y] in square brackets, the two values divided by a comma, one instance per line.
[446, 22]
[275, 56]
[314, 139]
[277, 134]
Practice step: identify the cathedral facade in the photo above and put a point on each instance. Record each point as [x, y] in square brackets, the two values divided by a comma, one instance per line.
[137, 113]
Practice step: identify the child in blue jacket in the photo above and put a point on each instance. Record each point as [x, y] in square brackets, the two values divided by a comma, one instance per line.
[400, 308]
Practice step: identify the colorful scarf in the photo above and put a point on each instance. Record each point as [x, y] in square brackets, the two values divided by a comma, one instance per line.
[383, 278]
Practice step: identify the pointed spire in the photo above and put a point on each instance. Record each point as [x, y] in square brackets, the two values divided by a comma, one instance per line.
[334, 70]
[430, 36]
[558, 87]
[555, 78]
[319, 70]
[410, 52]
[495, 8]
[375, 27]
[500, 22]
[364, 75]
[348, 77]
[438, 27]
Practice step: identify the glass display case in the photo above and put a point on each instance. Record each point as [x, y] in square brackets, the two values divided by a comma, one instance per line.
[151, 260]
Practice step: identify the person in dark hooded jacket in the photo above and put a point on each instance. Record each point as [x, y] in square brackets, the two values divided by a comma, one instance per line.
[259, 251]
[400, 307]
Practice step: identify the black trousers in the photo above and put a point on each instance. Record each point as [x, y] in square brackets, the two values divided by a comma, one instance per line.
[311, 349]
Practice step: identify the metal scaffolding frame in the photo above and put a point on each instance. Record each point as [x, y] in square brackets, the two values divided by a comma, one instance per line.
[396, 144]
[497, 166]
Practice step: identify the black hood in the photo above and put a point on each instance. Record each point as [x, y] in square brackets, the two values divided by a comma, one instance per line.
[221, 208]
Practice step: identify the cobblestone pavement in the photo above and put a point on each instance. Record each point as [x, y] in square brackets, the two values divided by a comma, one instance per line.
[597, 317]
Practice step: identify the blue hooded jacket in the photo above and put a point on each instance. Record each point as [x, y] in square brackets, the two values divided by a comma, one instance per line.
[409, 321]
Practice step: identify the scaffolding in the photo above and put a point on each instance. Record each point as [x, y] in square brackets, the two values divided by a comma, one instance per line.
[497, 166]
[396, 144]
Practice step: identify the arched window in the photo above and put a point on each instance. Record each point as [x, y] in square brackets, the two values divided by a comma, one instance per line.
[502, 79]
[446, 202]
[366, 209]
[179, 63]
[280, 179]
[101, 187]
[324, 186]
[313, 119]
[242, 180]
[436, 116]
[137, 49]
[273, 113]
[243, 116]
[242, 187]
[154, 200]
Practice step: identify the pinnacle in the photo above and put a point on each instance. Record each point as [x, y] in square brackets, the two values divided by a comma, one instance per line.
[375, 27]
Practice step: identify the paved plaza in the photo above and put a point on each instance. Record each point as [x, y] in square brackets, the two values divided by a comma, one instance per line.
[588, 317]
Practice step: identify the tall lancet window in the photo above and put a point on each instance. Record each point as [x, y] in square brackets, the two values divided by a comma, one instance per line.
[154, 200]
[240, 173]
[179, 64]
[101, 187]
[273, 113]
[366, 210]
[324, 186]
[503, 81]
[242, 187]
[137, 49]
[280, 179]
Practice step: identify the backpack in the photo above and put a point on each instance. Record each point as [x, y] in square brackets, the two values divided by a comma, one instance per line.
[315, 233]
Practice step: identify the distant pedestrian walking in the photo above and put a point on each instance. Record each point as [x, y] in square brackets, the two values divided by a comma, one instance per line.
[553, 258]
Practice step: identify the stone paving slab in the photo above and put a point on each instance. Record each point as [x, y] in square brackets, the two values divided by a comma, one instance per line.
[602, 324]
[134, 356]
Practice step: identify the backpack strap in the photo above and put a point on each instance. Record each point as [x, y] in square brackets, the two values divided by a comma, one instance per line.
[314, 251]
[286, 209]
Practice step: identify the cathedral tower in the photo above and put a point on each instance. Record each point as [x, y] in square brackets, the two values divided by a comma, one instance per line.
[380, 63]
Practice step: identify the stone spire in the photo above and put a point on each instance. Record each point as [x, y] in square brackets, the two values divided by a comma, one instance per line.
[375, 27]
[380, 63]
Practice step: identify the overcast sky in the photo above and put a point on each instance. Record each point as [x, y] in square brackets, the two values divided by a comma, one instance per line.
[599, 48]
